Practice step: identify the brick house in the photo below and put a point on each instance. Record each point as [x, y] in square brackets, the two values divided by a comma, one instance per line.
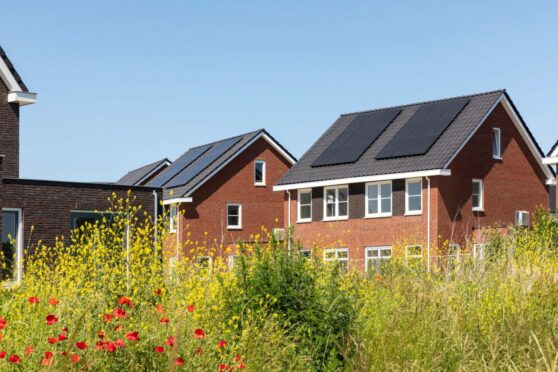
[39, 210]
[221, 192]
[420, 181]
[552, 160]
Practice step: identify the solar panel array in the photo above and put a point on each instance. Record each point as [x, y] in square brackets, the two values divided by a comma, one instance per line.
[357, 137]
[179, 164]
[423, 129]
[202, 162]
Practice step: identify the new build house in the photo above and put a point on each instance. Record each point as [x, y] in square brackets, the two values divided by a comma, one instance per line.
[36, 211]
[552, 160]
[421, 181]
[220, 193]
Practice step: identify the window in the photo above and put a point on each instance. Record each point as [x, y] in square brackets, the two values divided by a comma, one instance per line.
[336, 203]
[234, 216]
[12, 247]
[413, 253]
[413, 196]
[496, 143]
[304, 205]
[478, 195]
[173, 216]
[376, 258]
[479, 251]
[82, 218]
[306, 253]
[259, 173]
[378, 199]
[231, 261]
[339, 255]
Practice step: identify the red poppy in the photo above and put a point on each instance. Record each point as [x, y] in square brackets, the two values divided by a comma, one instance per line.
[191, 308]
[107, 318]
[119, 343]
[125, 301]
[2, 354]
[47, 360]
[159, 349]
[53, 301]
[3, 323]
[160, 309]
[241, 366]
[221, 344]
[51, 319]
[62, 337]
[170, 341]
[111, 347]
[119, 313]
[158, 291]
[118, 328]
[222, 367]
[101, 334]
[75, 358]
[28, 350]
[81, 345]
[179, 361]
[49, 354]
[164, 320]
[14, 359]
[52, 340]
[237, 358]
[132, 336]
[33, 300]
[199, 333]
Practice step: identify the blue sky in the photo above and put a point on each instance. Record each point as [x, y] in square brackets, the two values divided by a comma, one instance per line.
[124, 83]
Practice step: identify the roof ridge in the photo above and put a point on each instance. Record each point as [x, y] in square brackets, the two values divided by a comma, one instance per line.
[147, 165]
[501, 91]
[228, 138]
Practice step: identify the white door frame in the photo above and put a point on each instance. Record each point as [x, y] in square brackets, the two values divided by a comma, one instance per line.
[19, 243]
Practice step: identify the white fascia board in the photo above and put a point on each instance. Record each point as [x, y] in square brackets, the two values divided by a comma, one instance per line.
[382, 177]
[276, 146]
[8, 77]
[177, 201]
[551, 182]
[23, 98]
[551, 160]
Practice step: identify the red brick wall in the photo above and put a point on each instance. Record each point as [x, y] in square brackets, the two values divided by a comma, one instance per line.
[9, 133]
[514, 183]
[205, 218]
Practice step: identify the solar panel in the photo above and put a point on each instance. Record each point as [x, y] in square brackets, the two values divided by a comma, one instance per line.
[203, 162]
[179, 164]
[357, 137]
[423, 129]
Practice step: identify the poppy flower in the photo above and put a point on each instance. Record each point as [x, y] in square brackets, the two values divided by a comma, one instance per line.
[164, 320]
[125, 301]
[32, 301]
[158, 291]
[53, 301]
[75, 358]
[237, 358]
[179, 361]
[15, 359]
[119, 313]
[51, 319]
[101, 334]
[199, 333]
[241, 366]
[222, 367]
[2, 354]
[159, 349]
[111, 347]
[107, 318]
[3, 323]
[170, 341]
[221, 344]
[119, 343]
[52, 340]
[28, 350]
[62, 337]
[47, 360]
[81, 345]
[160, 309]
[191, 308]
[118, 328]
[132, 336]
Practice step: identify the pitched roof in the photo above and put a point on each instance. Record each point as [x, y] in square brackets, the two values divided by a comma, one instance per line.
[437, 157]
[554, 150]
[198, 156]
[12, 70]
[135, 176]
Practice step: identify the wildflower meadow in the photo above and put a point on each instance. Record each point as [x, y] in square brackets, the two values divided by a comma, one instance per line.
[105, 299]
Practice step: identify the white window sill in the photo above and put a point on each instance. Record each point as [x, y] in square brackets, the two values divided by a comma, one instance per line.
[329, 219]
[384, 215]
[172, 231]
[413, 213]
[234, 227]
[497, 157]
[260, 185]
[478, 209]
[304, 221]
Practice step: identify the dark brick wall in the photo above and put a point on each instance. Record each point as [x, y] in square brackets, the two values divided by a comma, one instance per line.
[9, 133]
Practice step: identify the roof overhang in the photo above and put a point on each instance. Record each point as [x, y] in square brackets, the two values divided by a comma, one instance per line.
[554, 152]
[177, 201]
[16, 93]
[382, 177]
[23, 98]
[551, 160]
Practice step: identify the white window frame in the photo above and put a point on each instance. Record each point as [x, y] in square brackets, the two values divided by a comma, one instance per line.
[454, 248]
[299, 205]
[263, 182]
[173, 217]
[307, 253]
[479, 251]
[336, 258]
[19, 248]
[481, 196]
[414, 256]
[231, 261]
[336, 216]
[378, 258]
[379, 197]
[239, 226]
[407, 211]
[497, 134]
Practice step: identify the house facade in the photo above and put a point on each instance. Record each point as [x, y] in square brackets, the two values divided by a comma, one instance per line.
[221, 193]
[422, 182]
[38, 211]
[552, 160]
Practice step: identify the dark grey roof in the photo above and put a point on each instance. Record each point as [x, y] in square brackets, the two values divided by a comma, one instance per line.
[136, 175]
[186, 189]
[13, 70]
[436, 158]
[554, 148]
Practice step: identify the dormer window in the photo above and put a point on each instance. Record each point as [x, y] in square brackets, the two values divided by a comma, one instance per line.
[496, 143]
[259, 173]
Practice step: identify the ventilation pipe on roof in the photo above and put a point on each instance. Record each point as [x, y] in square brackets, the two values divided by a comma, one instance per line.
[428, 228]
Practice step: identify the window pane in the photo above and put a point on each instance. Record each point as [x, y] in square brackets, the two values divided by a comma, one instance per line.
[386, 253]
[232, 210]
[305, 212]
[373, 206]
[10, 227]
[414, 203]
[496, 143]
[342, 254]
[330, 196]
[305, 198]
[414, 250]
[330, 210]
[372, 191]
[476, 201]
[258, 172]
[414, 188]
[233, 221]
[386, 205]
[372, 253]
[476, 187]
[385, 190]
[343, 208]
[329, 254]
[343, 194]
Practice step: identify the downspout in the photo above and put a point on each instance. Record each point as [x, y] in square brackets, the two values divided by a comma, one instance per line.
[428, 227]
[289, 222]
[155, 214]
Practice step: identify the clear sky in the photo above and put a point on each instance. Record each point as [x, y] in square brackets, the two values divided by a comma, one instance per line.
[124, 83]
